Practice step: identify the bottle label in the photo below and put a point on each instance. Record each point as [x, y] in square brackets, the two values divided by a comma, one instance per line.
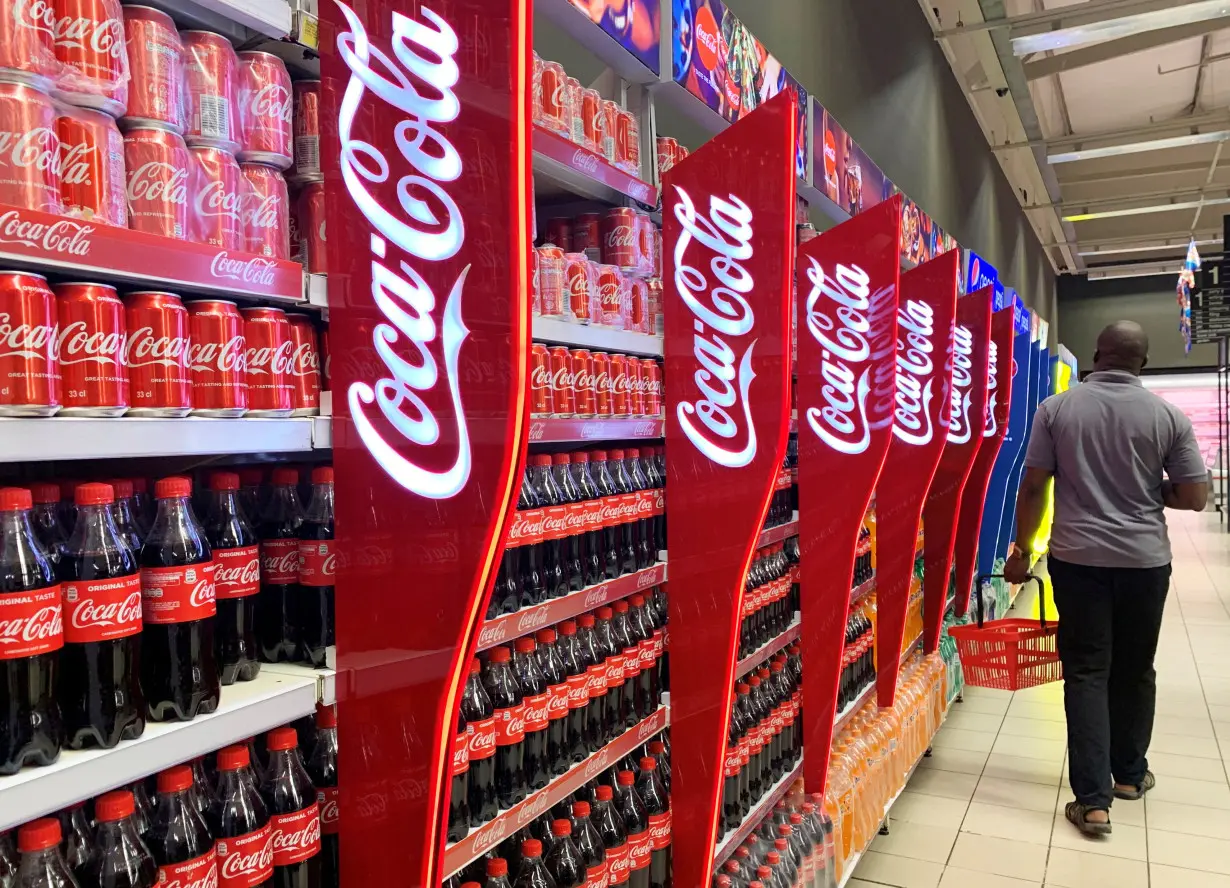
[660, 830]
[526, 527]
[597, 678]
[461, 757]
[640, 848]
[199, 872]
[632, 661]
[597, 876]
[296, 836]
[659, 642]
[556, 523]
[536, 712]
[31, 623]
[101, 610]
[591, 516]
[326, 799]
[317, 562]
[177, 594]
[648, 652]
[481, 735]
[619, 863]
[279, 562]
[510, 725]
[580, 689]
[557, 705]
[615, 670]
[733, 761]
[246, 861]
[238, 572]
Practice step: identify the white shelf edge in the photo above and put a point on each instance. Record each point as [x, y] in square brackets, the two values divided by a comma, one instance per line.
[324, 679]
[592, 336]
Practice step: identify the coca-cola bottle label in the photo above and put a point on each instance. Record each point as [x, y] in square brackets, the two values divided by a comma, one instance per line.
[536, 712]
[619, 863]
[510, 725]
[648, 652]
[659, 642]
[597, 876]
[178, 594]
[246, 861]
[279, 562]
[640, 848]
[557, 704]
[199, 872]
[326, 799]
[461, 752]
[102, 610]
[632, 661]
[296, 836]
[481, 737]
[579, 689]
[31, 623]
[733, 761]
[238, 572]
[596, 678]
[660, 831]
[317, 562]
[615, 670]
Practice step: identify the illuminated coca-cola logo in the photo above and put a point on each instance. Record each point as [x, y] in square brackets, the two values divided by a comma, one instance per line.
[45, 623]
[77, 345]
[226, 357]
[425, 51]
[146, 350]
[158, 182]
[718, 420]
[65, 236]
[99, 36]
[215, 200]
[38, 148]
[585, 161]
[271, 101]
[33, 341]
[990, 425]
[253, 270]
[959, 430]
[915, 369]
[115, 613]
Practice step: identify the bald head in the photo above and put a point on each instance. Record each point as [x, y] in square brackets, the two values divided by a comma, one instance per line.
[1122, 345]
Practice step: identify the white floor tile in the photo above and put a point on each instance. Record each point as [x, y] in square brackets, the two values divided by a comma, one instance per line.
[962, 761]
[984, 705]
[1210, 793]
[1169, 765]
[1001, 857]
[1017, 824]
[1191, 820]
[1029, 770]
[1189, 852]
[1125, 841]
[1078, 869]
[1195, 747]
[947, 784]
[963, 720]
[900, 872]
[914, 807]
[1030, 747]
[1034, 727]
[918, 841]
[955, 738]
[1173, 877]
[1016, 794]
[954, 877]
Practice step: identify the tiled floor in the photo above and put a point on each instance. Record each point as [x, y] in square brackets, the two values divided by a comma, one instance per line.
[986, 810]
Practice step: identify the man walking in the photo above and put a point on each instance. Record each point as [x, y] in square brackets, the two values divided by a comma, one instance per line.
[1107, 443]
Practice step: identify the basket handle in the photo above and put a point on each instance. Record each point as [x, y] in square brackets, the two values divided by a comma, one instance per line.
[1041, 595]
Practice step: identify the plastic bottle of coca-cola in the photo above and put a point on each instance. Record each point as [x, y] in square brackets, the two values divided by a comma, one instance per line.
[628, 527]
[592, 558]
[605, 485]
[533, 581]
[505, 693]
[610, 826]
[506, 595]
[100, 688]
[239, 821]
[322, 768]
[458, 797]
[68, 502]
[635, 818]
[556, 570]
[556, 677]
[317, 562]
[42, 864]
[294, 813]
[121, 859]
[144, 506]
[629, 646]
[45, 519]
[580, 706]
[536, 701]
[122, 512]
[595, 655]
[619, 697]
[479, 714]
[77, 839]
[533, 872]
[31, 636]
[8, 861]
[572, 545]
[589, 843]
[278, 530]
[497, 873]
[179, 667]
[641, 618]
[236, 554]
[178, 838]
[657, 803]
[564, 861]
[643, 535]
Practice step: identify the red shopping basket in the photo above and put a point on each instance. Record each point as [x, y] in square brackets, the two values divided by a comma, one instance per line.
[1008, 655]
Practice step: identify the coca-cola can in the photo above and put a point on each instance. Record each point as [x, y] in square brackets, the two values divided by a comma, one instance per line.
[30, 171]
[651, 373]
[610, 130]
[217, 188]
[621, 404]
[266, 212]
[636, 387]
[583, 381]
[265, 103]
[535, 291]
[324, 358]
[646, 245]
[536, 89]
[156, 163]
[92, 167]
[653, 320]
[591, 120]
[628, 143]
[542, 403]
[312, 226]
[620, 238]
[29, 372]
[156, 63]
[587, 235]
[157, 354]
[668, 149]
[307, 128]
[559, 232]
[90, 346]
[304, 366]
[269, 355]
[89, 43]
[572, 110]
[216, 358]
[609, 311]
[27, 44]
[601, 363]
[554, 109]
[580, 283]
[211, 88]
[551, 280]
[562, 395]
[638, 305]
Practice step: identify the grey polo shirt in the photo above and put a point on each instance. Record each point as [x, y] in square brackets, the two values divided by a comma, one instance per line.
[1108, 441]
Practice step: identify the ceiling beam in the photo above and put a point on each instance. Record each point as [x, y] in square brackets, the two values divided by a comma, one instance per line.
[1089, 203]
[1178, 126]
[1112, 49]
[1080, 29]
[1097, 178]
[1053, 18]
[1137, 239]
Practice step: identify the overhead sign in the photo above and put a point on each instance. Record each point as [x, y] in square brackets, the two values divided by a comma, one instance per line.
[979, 273]
[634, 26]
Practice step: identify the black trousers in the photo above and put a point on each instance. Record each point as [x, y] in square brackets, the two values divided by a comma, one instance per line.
[1109, 620]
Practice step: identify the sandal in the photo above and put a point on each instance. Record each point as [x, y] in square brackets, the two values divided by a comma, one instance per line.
[1076, 814]
[1139, 793]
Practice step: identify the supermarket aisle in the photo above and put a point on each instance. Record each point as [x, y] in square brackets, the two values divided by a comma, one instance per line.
[986, 811]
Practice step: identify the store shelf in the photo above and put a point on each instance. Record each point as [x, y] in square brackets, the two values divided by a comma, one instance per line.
[733, 839]
[550, 430]
[490, 834]
[859, 591]
[769, 648]
[773, 535]
[325, 679]
[843, 717]
[101, 438]
[563, 166]
[510, 626]
[246, 708]
[576, 22]
[316, 288]
[556, 332]
[322, 431]
[269, 18]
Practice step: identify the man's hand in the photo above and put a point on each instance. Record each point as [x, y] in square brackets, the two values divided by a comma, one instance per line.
[1016, 568]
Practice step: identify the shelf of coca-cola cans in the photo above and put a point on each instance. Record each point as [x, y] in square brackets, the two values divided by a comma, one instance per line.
[177, 182]
[736, 837]
[579, 395]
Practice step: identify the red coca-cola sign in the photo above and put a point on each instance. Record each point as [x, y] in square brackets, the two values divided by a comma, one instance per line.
[728, 239]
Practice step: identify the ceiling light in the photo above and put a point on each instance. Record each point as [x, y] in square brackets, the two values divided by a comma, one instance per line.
[1138, 147]
[1120, 26]
[1144, 211]
[1181, 247]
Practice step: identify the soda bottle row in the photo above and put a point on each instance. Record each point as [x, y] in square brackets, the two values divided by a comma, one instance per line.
[622, 237]
[769, 600]
[858, 661]
[765, 741]
[864, 567]
[569, 286]
[793, 847]
[245, 816]
[576, 382]
[85, 351]
[614, 831]
[581, 115]
[582, 518]
[528, 714]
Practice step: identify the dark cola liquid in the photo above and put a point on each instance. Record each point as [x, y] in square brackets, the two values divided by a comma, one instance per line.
[478, 713]
[286, 790]
[322, 768]
[235, 623]
[312, 608]
[279, 533]
[121, 859]
[458, 797]
[178, 833]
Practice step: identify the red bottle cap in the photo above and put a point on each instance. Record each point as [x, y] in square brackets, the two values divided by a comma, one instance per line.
[561, 459]
[756, 883]
[568, 628]
[525, 645]
[561, 828]
[475, 666]
[224, 481]
[540, 459]
[14, 499]
[121, 486]
[617, 454]
[115, 805]
[545, 636]
[604, 613]
[281, 738]
[621, 607]
[531, 848]
[633, 453]
[626, 778]
[763, 871]
[500, 654]
[285, 476]
[783, 829]
[723, 881]
[471, 885]
[175, 779]
[326, 716]
[649, 764]
[587, 620]
[232, 758]
[599, 455]
[94, 494]
[657, 747]
[796, 818]
[637, 600]
[497, 866]
[322, 475]
[170, 488]
[580, 809]
[38, 834]
[780, 844]
[604, 793]
[45, 492]
[581, 457]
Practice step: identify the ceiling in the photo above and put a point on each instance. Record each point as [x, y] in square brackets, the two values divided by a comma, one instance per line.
[1109, 117]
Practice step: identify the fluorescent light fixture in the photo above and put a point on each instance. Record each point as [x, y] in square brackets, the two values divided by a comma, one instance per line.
[1138, 147]
[1095, 275]
[1149, 249]
[1144, 211]
[1116, 27]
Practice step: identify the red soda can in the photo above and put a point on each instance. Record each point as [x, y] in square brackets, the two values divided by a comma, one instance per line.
[304, 366]
[559, 232]
[27, 43]
[30, 169]
[306, 128]
[156, 64]
[653, 320]
[551, 280]
[156, 163]
[536, 291]
[157, 354]
[667, 150]
[646, 258]
[216, 358]
[579, 284]
[92, 167]
[603, 405]
[610, 130]
[554, 110]
[651, 372]
[217, 189]
[565, 402]
[542, 402]
[636, 387]
[29, 371]
[657, 252]
[298, 249]
[90, 348]
[587, 235]
[572, 110]
[639, 305]
[89, 40]
[591, 120]
[628, 143]
[536, 91]
[211, 80]
[324, 358]
[269, 354]
[265, 103]
[620, 237]
[621, 403]
[583, 381]
[609, 311]
[312, 226]
[266, 212]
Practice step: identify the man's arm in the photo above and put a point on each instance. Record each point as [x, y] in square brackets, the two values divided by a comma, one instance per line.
[1188, 487]
[1187, 496]
[1031, 495]
[1030, 504]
